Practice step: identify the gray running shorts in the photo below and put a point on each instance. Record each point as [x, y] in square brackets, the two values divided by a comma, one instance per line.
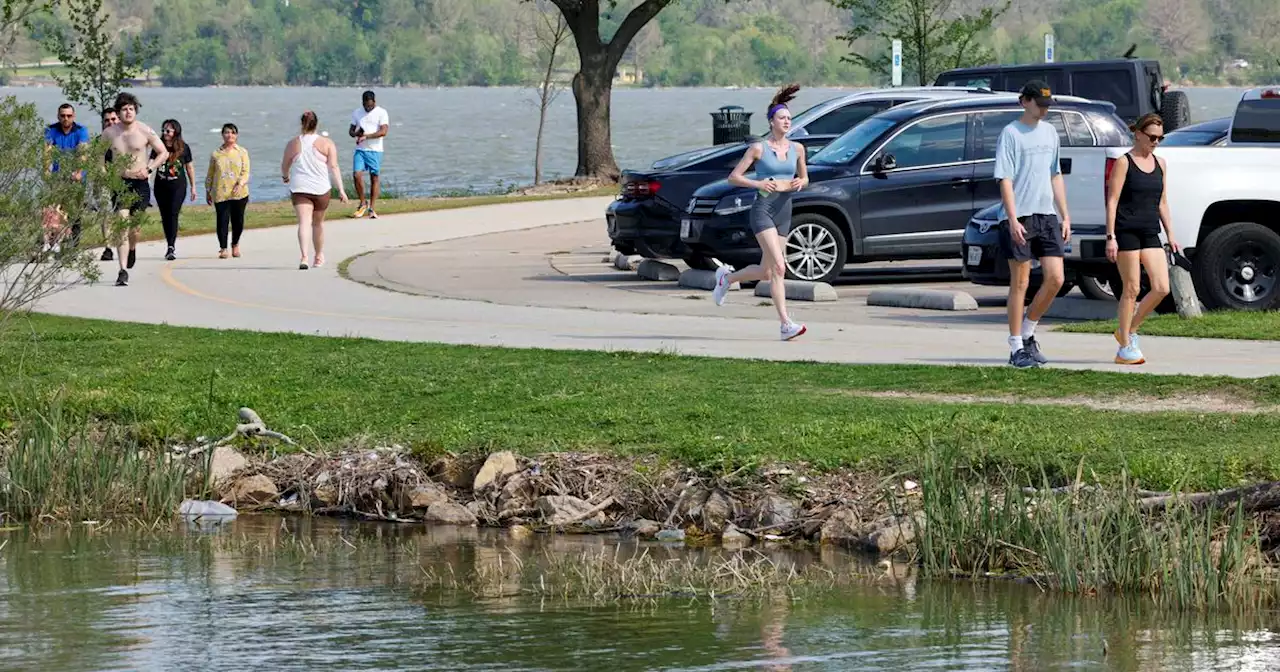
[772, 211]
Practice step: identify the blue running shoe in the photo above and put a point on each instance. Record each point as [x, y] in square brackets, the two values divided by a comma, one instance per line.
[1130, 354]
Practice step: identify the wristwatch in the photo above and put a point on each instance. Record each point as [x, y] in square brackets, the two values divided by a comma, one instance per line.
[1110, 237]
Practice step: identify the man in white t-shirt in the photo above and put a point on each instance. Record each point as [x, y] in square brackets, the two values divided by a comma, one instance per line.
[369, 124]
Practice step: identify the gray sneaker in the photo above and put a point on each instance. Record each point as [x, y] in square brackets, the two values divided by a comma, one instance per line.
[1023, 360]
[1033, 348]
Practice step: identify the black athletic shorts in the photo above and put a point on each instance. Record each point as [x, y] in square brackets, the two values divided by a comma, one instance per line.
[1044, 238]
[1131, 241]
[140, 188]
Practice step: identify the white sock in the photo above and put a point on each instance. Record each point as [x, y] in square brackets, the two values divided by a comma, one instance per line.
[1015, 344]
[1028, 327]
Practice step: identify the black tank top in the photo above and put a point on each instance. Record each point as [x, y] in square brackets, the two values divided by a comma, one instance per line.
[1139, 208]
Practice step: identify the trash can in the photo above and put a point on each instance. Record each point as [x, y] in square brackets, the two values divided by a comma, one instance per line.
[730, 124]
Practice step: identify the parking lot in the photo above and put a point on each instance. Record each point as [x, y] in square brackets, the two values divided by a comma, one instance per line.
[563, 266]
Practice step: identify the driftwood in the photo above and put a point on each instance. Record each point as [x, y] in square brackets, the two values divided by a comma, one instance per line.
[1257, 497]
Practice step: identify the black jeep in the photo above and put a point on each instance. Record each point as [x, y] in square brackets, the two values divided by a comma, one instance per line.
[1135, 86]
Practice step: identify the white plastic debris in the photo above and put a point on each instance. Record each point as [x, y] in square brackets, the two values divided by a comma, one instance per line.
[198, 508]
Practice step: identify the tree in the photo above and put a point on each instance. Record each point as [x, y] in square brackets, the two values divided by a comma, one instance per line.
[550, 33]
[1180, 27]
[15, 14]
[593, 84]
[934, 38]
[27, 189]
[96, 68]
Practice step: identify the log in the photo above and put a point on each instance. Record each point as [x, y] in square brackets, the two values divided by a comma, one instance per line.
[1257, 497]
[1184, 292]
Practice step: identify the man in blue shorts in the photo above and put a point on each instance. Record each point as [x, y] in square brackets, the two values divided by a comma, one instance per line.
[1031, 185]
[369, 124]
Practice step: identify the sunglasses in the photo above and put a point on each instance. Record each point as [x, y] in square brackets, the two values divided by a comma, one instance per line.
[1153, 138]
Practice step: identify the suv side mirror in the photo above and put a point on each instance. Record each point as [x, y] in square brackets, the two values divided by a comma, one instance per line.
[884, 162]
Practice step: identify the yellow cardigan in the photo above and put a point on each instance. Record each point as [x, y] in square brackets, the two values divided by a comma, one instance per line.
[228, 177]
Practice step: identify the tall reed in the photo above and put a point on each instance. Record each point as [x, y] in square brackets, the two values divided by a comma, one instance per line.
[1087, 541]
[57, 467]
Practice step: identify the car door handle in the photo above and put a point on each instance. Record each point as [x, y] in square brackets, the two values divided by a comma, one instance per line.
[1065, 165]
[958, 181]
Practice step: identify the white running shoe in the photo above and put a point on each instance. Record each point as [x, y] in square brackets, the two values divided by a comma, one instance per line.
[722, 284]
[790, 330]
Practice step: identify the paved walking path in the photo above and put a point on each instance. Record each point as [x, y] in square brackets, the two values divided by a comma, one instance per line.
[264, 291]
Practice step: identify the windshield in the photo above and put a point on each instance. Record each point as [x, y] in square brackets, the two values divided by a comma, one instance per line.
[1190, 138]
[810, 114]
[853, 142]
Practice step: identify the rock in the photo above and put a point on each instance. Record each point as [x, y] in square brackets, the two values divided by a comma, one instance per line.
[495, 469]
[644, 528]
[563, 510]
[841, 528]
[717, 511]
[517, 494]
[670, 535]
[448, 513]
[452, 471]
[910, 485]
[481, 509]
[251, 490]
[732, 536]
[690, 503]
[423, 496]
[225, 462]
[774, 511]
[896, 535]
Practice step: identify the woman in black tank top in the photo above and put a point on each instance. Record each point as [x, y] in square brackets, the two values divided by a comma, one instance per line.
[1136, 210]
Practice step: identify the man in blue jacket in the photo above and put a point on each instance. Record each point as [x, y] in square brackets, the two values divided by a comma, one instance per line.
[65, 136]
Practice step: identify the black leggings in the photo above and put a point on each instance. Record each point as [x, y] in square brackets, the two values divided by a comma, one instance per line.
[230, 214]
[169, 195]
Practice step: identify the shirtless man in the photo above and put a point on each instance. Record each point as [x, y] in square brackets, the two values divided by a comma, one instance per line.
[133, 139]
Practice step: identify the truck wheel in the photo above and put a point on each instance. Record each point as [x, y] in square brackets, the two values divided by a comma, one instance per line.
[1175, 110]
[701, 263]
[1238, 267]
[1098, 289]
[815, 250]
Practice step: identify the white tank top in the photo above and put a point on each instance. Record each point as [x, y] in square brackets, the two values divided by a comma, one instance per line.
[309, 173]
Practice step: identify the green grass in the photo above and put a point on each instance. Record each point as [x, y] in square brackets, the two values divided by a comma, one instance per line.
[168, 382]
[199, 218]
[1262, 326]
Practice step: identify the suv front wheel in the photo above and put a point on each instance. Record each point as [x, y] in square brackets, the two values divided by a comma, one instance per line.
[815, 250]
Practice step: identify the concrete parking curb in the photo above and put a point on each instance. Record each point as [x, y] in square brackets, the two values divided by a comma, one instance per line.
[1081, 309]
[695, 279]
[624, 262]
[928, 299]
[800, 290]
[652, 269]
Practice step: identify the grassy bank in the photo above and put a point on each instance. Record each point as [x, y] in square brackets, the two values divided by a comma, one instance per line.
[1261, 326]
[168, 382]
[199, 218]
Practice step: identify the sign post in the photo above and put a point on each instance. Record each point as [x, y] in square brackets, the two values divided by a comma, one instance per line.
[897, 62]
[1048, 47]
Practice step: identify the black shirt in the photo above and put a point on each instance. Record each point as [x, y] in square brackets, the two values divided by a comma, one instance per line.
[173, 167]
[1139, 208]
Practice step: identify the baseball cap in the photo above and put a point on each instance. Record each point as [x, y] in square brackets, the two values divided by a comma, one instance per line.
[1039, 91]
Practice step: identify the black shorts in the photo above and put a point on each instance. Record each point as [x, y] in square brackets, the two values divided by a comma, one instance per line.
[1044, 238]
[139, 188]
[1131, 241]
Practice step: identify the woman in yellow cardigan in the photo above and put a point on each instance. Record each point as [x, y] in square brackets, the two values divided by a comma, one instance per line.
[227, 188]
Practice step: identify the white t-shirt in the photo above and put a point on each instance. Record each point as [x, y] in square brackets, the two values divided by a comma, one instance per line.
[370, 121]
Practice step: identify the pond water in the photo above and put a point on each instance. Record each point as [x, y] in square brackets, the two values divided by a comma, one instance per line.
[268, 593]
[444, 140]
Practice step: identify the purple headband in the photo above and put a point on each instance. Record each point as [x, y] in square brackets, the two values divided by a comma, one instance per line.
[773, 109]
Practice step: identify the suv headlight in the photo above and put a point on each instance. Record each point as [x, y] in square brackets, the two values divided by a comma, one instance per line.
[735, 203]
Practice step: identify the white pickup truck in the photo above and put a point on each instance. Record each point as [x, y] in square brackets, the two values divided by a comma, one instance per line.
[1225, 203]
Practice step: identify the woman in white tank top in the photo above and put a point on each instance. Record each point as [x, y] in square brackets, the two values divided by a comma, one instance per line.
[310, 168]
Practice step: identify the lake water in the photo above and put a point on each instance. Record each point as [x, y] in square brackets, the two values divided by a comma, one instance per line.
[268, 593]
[467, 138]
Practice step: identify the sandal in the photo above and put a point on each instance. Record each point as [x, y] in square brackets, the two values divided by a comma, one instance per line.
[235, 251]
[222, 254]
[302, 264]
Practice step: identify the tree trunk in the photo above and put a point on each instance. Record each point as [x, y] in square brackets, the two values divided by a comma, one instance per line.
[537, 151]
[592, 90]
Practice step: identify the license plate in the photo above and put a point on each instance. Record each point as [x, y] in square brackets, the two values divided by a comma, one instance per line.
[975, 255]
[685, 225]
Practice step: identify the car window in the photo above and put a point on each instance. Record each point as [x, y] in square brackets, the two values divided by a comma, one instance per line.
[840, 120]
[1257, 121]
[1181, 138]
[1078, 130]
[983, 81]
[1014, 81]
[1114, 86]
[1110, 129]
[931, 142]
[1055, 120]
[845, 148]
[989, 125]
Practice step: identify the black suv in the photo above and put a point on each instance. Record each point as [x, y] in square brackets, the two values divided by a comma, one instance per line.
[1134, 85]
[900, 185]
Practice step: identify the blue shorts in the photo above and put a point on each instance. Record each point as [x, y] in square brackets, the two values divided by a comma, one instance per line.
[367, 161]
